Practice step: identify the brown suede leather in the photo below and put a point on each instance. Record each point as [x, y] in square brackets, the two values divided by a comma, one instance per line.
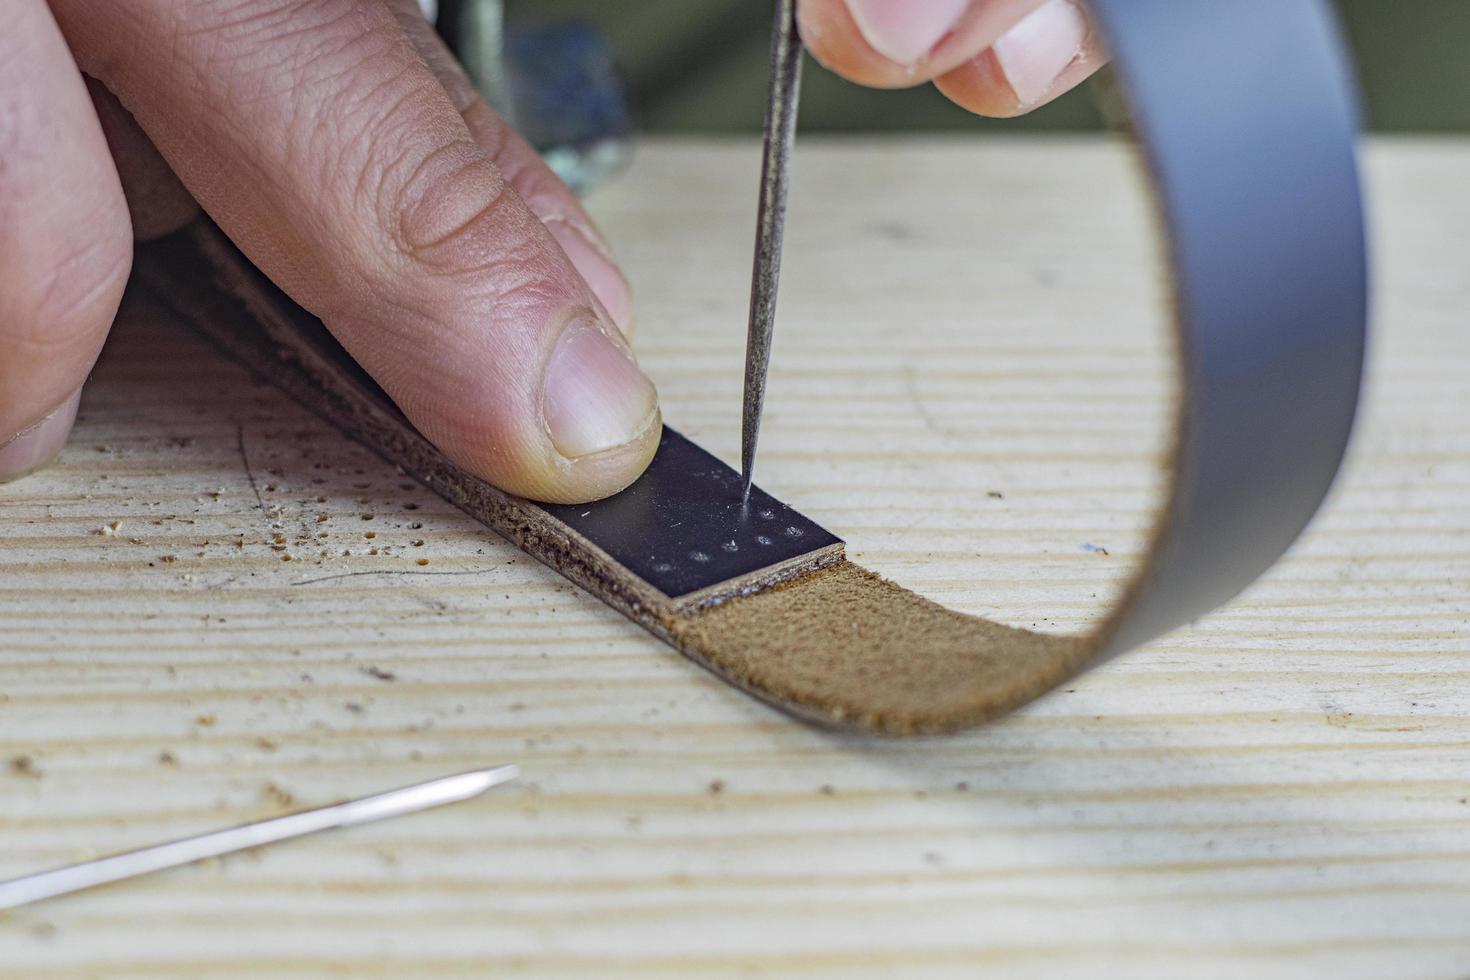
[845, 647]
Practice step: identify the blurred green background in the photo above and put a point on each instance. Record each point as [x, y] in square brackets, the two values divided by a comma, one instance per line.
[699, 66]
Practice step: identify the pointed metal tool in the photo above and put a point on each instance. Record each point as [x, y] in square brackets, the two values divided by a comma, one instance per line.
[130, 864]
[785, 90]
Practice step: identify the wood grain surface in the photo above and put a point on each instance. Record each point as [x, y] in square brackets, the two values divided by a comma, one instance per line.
[215, 608]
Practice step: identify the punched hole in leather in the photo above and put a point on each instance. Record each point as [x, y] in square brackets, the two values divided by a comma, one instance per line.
[1256, 181]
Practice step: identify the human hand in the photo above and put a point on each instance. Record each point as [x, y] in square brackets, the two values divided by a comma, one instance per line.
[342, 148]
[993, 57]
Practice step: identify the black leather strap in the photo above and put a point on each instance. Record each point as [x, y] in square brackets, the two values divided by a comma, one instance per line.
[1245, 112]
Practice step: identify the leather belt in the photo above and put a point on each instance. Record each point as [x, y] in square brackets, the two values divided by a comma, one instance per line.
[1247, 118]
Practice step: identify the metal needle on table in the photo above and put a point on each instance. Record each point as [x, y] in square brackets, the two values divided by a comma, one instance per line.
[771, 219]
[421, 796]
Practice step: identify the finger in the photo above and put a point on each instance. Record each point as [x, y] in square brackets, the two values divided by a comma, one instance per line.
[900, 43]
[538, 185]
[1046, 54]
[318, 139]
[157, 202]
[65, 244]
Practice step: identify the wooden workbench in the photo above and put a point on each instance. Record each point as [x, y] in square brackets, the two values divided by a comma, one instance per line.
[969, 385]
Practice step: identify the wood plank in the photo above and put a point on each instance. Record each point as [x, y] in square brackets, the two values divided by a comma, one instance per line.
[969, 385]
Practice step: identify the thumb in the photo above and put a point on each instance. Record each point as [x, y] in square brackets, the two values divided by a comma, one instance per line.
[326, 148]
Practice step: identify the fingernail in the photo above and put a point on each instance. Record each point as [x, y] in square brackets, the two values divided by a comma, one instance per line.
[595, 266]
[1034, 53]
[903, 31]
[595, 398]
[33, 448]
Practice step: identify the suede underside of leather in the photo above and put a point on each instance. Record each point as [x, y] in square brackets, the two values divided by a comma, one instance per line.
[845, 647]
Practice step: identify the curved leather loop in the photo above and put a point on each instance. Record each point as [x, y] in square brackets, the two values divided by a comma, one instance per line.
[1247, 116]
[1247, 119]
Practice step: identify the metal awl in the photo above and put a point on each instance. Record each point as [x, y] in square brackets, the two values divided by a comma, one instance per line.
[130, 864]
[765, 274]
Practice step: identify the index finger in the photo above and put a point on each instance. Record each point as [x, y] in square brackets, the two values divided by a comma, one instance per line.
[901, 43]
[993, 57]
